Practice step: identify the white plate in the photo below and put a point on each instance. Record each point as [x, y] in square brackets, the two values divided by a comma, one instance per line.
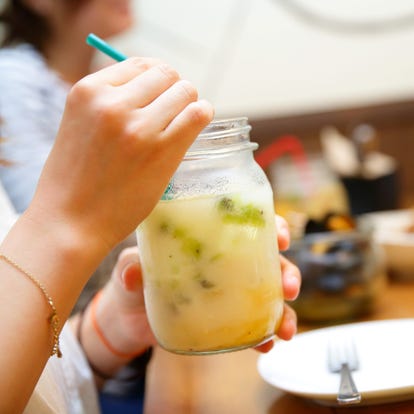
[386, 355]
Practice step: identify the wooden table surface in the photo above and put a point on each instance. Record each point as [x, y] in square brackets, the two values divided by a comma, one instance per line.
[230, 384]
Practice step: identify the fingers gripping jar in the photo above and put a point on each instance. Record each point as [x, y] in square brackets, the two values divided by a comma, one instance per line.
[209, 250]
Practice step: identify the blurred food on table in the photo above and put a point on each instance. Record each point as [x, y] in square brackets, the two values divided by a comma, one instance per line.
[342, 270]
[330, 222]
[339, 204]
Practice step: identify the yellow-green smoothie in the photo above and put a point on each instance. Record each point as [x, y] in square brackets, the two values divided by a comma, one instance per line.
[211, 272]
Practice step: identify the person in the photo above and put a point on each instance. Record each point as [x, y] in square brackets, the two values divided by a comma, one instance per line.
[37, 69]
[123, 133]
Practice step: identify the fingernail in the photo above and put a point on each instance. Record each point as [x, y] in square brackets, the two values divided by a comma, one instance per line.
[291, 280]
[123, 276]
[284, 234]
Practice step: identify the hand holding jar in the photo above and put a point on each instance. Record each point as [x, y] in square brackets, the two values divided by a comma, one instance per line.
[212, 279]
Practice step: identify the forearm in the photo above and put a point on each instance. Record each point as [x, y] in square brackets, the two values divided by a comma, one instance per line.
[60, 260]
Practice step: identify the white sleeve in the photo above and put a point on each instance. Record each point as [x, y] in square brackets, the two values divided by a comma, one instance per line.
[66, 385]
[82, 395]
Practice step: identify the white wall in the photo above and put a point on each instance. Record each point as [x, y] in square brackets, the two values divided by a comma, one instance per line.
[253, 57]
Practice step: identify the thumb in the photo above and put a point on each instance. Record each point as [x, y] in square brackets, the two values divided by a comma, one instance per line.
[131, 277]
[127, 278]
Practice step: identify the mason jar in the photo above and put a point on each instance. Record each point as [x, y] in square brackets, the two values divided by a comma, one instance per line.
[211, 271]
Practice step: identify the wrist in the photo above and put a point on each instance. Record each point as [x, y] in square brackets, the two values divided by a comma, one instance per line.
[55, 254]
[109, 329]
[134, 370]
[106, 351]
[83, 239]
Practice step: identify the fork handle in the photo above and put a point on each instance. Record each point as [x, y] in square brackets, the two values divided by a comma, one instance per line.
[348, 393]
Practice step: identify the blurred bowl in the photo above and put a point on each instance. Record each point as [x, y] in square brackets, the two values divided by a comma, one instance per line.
[394, 232]
[342, 275]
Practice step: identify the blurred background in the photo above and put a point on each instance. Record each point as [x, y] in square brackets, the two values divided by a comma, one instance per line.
[294, 66]
[328, 88]
[267, 58]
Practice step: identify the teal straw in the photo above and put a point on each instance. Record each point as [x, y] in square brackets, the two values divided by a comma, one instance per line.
[100, 44]
[104, 47]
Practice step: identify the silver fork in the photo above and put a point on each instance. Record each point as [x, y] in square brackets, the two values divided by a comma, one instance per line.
[343, 359]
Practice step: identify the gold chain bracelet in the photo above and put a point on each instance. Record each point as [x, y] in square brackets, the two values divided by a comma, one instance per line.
[53, 319]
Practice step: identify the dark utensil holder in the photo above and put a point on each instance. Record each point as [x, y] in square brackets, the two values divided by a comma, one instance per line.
[367, 195]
